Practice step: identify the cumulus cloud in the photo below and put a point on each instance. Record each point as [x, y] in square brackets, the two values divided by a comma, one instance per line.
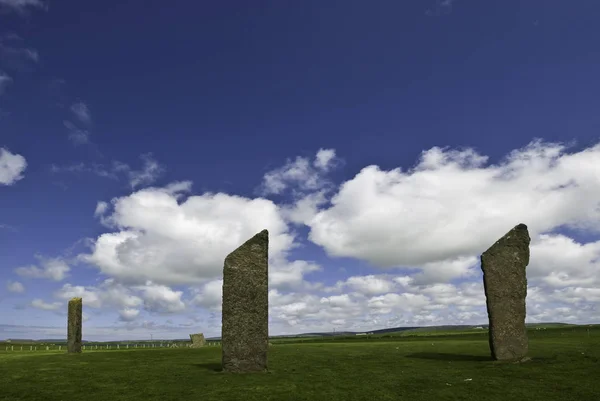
[161, 299]
[40, 304]
[12, 167]
[451, 207]
[300, 173]
[109, 293]
[162, 237]
[209, 295]
[128, 314]
[128, 300]
[55, 269]
[558, 261]
[15, 286]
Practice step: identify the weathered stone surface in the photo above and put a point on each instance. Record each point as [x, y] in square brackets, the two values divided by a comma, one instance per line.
[198, 340]
[74, 322]
[505, 285]
[245, 328]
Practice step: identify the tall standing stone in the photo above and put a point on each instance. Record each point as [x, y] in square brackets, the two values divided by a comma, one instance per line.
[198, 340]
[245, 324]
[505, 286]
[74, 325]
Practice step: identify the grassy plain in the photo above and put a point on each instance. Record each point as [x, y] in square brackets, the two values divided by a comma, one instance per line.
[565, 366]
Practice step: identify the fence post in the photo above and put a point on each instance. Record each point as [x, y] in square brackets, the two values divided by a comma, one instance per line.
[118, 346]
[59, 347]
[47, 348]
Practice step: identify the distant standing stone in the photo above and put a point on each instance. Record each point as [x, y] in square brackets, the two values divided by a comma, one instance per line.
[198, 340]
[74, 325]
[245, 328]
[505, 286]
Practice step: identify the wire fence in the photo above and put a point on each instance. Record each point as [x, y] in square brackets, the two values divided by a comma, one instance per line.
[98, 347]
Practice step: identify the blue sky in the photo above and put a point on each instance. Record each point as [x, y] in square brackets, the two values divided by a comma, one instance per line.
[385, 145]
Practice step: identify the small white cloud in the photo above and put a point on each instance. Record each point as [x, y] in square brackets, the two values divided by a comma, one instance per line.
[11, 167]
[82, 112]
[40, 304]
[101, 208]
[210, 295]
[15, 286]
[300, 174]
[149, 173]
[160, 298]
[5, 80]
[324, 159]
[128, 314]
[51, 268]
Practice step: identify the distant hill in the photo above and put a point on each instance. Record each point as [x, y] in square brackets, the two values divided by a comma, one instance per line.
[315, 334]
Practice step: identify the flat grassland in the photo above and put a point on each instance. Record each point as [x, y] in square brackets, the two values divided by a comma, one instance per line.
[565, 366]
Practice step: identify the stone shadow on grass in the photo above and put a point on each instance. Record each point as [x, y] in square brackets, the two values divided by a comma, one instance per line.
[214, 366]
[438, 356]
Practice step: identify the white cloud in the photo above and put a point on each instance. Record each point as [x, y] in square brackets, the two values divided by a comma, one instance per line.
[161, 299]
[168, 240]
[51, 268]
[300, 174]
[39, 304]
[451, 207]
[15, 286]
[558, 261]
[368, 285]
[5, 80]
[283, 274]
[11, 167]
[101, 208]
[128, 314]
[149, 173]
[210, 295]
[90, 297]
[109, 294]
[82, 112]
[325, 159]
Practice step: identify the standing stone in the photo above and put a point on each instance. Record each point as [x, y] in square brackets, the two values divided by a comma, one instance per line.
[505, 286]
[198, 340]
[245, 316]
[74, 326]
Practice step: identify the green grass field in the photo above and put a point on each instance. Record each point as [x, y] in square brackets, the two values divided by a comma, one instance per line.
[565, 366]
